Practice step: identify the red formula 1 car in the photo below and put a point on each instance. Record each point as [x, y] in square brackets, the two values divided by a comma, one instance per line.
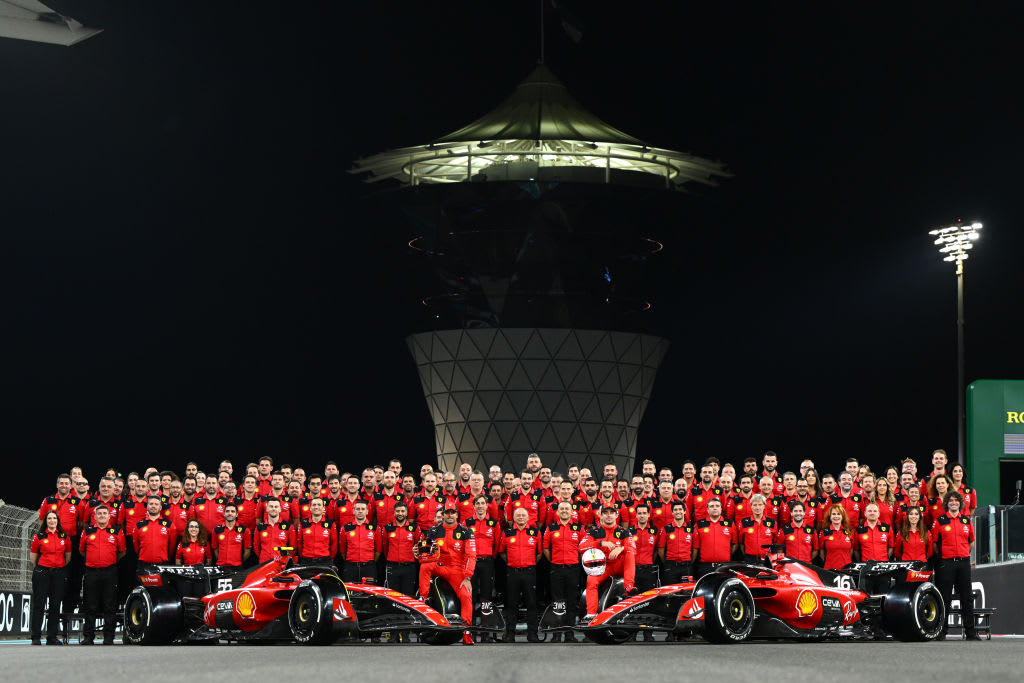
[276, 601]
[781, 598]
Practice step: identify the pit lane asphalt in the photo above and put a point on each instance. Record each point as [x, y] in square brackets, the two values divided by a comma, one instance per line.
[995, 661]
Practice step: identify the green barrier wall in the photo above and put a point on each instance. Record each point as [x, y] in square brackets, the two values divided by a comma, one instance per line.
[995, 432]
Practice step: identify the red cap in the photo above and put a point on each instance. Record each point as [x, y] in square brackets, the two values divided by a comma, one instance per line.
[450, 505]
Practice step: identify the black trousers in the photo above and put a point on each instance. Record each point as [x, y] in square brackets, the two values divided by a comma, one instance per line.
[565, 587]
[402, 577]
[956, 573]
[673, 572]
[359, 572]
[100, 600]
[483, 579]
[73, 595]
[521, 583]
[646, 577]
[48, 583]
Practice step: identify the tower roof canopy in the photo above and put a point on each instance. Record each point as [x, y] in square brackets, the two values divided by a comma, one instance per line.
[540, 132]
[541, 108]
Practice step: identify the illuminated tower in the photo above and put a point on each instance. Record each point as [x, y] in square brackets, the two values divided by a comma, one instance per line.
[538, 220]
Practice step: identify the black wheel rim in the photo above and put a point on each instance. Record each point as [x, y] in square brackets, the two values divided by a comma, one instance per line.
[135, 623]
[928, 613]
[735, 612]
[304, 614]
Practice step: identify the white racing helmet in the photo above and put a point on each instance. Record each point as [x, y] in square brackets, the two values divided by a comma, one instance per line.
[594, 561]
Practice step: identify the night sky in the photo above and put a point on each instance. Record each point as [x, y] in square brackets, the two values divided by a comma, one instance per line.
[190, 272]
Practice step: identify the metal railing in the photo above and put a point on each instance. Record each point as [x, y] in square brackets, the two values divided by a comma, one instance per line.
[17, 524]
[999, 533]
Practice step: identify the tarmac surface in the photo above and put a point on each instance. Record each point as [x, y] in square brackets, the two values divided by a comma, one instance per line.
[992, 661]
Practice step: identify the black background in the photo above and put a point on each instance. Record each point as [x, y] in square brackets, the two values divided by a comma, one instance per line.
[189, 272]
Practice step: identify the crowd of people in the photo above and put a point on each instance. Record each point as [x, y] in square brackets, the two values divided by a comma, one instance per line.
[511, 537]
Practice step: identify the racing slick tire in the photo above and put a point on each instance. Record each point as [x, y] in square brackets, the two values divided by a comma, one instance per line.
[914, 612]
[311, 611]
[728, 609]
[152, 616]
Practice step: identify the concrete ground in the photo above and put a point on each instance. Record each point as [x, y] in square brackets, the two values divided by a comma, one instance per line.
[995, 661]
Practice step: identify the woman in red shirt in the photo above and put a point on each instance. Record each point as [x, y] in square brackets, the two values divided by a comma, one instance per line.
[194, 547]
[959, 476]
[892, 477]
[913, 500]
[50, 553]
[938, 487]
[836, 541]
[913, 542]
[886, 502]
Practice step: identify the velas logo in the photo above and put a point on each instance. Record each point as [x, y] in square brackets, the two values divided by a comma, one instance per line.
[806, 604]
[246, 605]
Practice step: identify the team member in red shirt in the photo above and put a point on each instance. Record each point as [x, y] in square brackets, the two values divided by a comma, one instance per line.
[176, 508]
[698, 498]
[385, 499]
[427, 503]
[344, 508]
[264, 468]
[800, 539]
[359, 543]
[676, 546]
[105, 497]
[277, 492]
[836, 544]
[272, 535]
[153, 536]
[232, 542]
[873, 540]
[852, 502]
[661, 507]
[886, 502]
[756, 531]
[561, 548]
[467, 506]
[645, 537]
[194, 546]
[317, 540]
[770, 464]
[959, 476]
[398, 547]
[455, 563]
[530, 499]
[50, 552]
[952, 542]
[811, 506]
[521, 546]
[248, 503]
[913, 542]
[617, 544]
[737, 507]
[209, 507]
[937, 489]
[773, 503]
[912, 499]
[487, 533]
[713, 541]
[102, 546]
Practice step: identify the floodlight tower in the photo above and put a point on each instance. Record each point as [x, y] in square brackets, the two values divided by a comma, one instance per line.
[537, 220]
[954, 243]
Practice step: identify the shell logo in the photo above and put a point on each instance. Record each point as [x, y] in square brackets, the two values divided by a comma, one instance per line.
[221, 537]
[949, 528]
[700, 499]
[792, 538]
[246, 605]
[93, 537]
[264, 533]
[511, 540]
[806, 604]
[557, 534]
[672, 537]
